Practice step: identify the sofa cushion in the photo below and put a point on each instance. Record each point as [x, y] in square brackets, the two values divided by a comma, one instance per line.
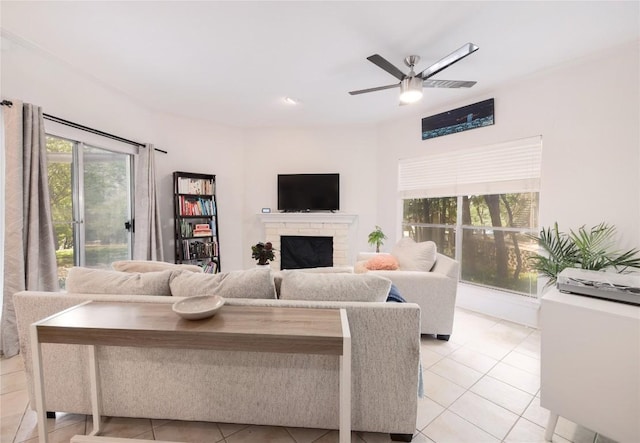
[414, 256]
[334, 287]
[382, 261]
[151, 266]
[101, 281]
[254, 283]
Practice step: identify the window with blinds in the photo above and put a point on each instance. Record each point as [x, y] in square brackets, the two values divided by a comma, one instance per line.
[478, 205]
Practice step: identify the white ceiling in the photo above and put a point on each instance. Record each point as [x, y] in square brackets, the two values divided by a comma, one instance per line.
[233, 62]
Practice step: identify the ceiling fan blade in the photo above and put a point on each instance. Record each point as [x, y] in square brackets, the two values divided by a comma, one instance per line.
[447, 84]
[383, 63]
[448, 60]
[379, 88]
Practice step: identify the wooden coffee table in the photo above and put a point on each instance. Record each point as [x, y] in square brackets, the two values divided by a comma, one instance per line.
[237, 328]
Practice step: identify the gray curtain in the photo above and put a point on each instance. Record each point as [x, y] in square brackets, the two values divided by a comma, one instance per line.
[147, 243]
[29, 240]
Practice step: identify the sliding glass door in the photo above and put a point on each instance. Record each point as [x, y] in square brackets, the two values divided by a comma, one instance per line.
[91, 200]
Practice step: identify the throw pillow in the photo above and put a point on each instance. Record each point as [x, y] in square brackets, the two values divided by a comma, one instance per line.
[151, 266]
[382, 261]
[334, 287]
[254, 283]
[394, 295]
[414, 256]
[360, 267]
[101, 281]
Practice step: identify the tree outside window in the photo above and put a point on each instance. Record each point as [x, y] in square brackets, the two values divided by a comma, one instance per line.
[487, 234]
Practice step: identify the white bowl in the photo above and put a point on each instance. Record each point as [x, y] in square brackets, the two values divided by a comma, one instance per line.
[196, 308]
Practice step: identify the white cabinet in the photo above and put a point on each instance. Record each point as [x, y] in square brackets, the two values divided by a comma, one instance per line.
[590, 364]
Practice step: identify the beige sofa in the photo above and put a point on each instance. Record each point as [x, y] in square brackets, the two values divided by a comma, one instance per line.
[238, 387]
[430, 282]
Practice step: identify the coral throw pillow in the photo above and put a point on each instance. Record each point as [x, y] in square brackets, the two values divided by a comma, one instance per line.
[382, 262]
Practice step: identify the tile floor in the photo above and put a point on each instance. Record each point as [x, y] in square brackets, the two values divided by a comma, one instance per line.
[481, 386]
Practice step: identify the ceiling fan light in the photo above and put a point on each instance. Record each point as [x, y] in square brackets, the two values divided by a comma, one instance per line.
[410, 90]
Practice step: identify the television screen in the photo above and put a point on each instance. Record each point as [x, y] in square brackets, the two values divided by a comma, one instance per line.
[308, 192]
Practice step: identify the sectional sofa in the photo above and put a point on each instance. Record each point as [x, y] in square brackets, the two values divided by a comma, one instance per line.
[237, 387]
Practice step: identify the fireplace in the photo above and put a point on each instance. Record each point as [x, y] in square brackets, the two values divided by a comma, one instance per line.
[298, 252]
[337, 226]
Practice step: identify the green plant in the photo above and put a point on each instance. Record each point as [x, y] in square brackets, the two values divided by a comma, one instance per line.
[585, 249]
[263, 252]
[377, 237]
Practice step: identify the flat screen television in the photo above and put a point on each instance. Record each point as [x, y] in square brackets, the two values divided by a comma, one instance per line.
[308, 192]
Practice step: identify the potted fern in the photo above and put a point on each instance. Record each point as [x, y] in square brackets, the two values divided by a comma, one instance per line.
[591, 249]
[377, 237]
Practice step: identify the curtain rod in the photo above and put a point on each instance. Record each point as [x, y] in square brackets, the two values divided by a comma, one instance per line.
[85, 128]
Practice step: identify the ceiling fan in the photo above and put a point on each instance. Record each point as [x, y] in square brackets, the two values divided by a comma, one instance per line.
[411, 84]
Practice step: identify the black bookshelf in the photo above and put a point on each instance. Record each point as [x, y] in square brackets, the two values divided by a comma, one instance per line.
[196, 220]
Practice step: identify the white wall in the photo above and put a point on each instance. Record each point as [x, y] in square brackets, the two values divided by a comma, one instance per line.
[32, 76]
[588, 114]
[207, 148]
[349, 151]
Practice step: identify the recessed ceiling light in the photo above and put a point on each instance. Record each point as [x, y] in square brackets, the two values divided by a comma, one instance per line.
[291, 101]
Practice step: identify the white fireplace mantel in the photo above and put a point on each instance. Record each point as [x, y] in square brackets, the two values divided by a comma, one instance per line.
[308, 217]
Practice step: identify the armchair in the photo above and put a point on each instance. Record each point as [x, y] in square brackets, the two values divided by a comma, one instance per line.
[434, 290]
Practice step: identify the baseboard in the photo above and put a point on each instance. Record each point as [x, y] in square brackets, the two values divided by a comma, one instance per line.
[504, 305]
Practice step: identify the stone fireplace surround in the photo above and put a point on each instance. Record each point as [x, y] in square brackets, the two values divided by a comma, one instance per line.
[320, 224]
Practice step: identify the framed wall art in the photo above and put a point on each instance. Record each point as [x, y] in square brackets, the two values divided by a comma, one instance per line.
[461, 119]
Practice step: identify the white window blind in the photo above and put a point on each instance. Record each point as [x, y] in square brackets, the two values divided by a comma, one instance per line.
[508, 167]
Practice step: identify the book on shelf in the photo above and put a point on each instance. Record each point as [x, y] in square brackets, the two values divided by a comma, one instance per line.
[190, 206]
[198, 186]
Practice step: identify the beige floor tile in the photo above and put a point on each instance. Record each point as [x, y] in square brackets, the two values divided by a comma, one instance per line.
[485, 414]
[536, 413]
[456, 372]
[228, 429]
[530, 346]
[473, 359]
[329, 437]
[146, 436]
[573, 432]
[523, 361]
[306, 435]
[13, 381]
[428, 410]
[29, 425]
[493, 350]
[9, 425]
[12, 364]
[451, 428]
[192, 431]
[516, 377]
[121, 427]
[502, 394]
[441, 390]
[157, 422]
[429, 357]
[260, 434]
[62, 435]
[525, 432]
[506, 334]
[440, 346]
[13, 402]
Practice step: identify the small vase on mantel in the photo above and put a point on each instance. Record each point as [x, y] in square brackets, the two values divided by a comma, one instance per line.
[265, 266]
